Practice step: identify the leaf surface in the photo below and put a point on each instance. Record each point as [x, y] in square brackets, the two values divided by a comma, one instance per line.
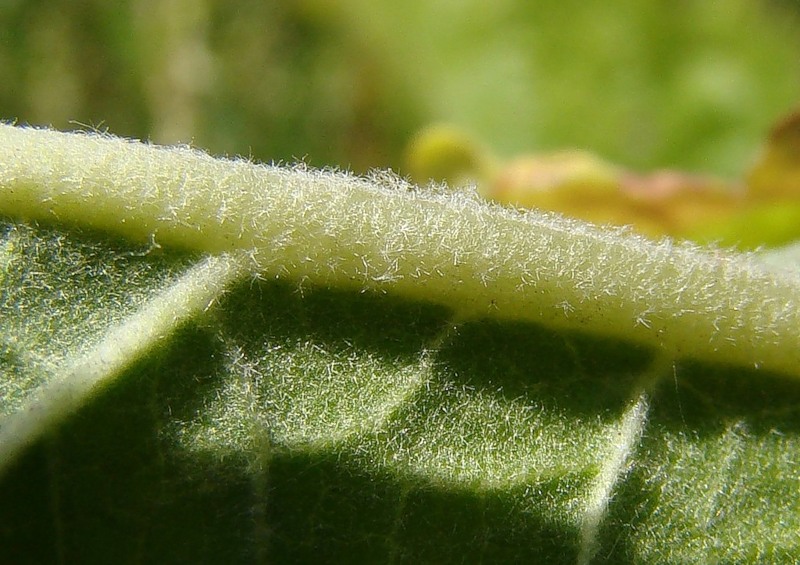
[246, 408]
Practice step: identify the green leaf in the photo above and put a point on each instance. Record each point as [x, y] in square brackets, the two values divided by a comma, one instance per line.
[212, 361]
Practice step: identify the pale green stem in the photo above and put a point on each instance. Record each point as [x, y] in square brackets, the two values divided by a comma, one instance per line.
[380, 234]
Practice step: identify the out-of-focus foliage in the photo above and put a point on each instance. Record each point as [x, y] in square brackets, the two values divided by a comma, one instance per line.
[263, 78]
[762, 209]
[692, 85]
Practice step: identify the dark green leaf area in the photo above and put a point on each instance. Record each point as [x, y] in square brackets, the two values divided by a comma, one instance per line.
[297, 424]
[60, 292]
[325, 510]
[109, 487]
[716, 458]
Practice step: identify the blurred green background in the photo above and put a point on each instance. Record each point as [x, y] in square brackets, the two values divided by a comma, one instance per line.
[690, 84]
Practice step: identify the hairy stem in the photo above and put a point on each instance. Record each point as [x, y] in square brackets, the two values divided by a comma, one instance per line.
[381, 234]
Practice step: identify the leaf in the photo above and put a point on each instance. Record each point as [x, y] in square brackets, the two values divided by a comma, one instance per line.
[694, 90]
[381, 380]
[760, 210]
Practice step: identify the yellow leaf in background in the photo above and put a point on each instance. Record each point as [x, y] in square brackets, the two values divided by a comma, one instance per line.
[444, 153]
[677, 203]
[576, 183]
[756, 225]
[762, 211]
[776, 174]
[771, 215]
